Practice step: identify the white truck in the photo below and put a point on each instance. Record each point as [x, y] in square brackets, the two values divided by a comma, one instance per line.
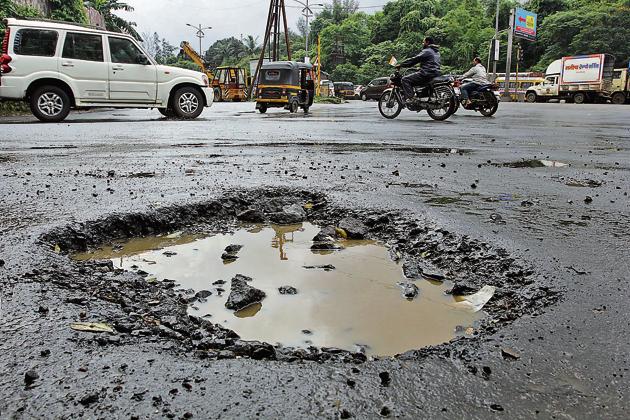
[621, 87]
[578, 79]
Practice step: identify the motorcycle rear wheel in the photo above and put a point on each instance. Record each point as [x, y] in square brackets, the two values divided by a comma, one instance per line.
[389, 109]
[489, 108]
[441, 114]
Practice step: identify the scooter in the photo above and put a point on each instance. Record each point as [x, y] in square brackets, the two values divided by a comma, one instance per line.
[437, 98]
[484, 99]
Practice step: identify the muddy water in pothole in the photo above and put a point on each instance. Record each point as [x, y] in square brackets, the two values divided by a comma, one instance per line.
[356, 305]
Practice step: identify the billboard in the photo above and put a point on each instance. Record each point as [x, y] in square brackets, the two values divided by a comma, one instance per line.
[525, 24]
[583, 68]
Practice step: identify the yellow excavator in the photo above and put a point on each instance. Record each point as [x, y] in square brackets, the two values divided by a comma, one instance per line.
[229, 83]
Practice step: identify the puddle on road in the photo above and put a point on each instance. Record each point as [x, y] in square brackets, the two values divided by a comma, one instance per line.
[356, 305]
[534, 163]
[354, 147]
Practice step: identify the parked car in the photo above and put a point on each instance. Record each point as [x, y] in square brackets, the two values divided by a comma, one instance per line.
[327, 88]
[56, 67]
[357, 91]
[344, 90]
[375, 88]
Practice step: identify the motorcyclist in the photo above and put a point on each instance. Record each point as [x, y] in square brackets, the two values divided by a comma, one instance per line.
[478, 76]
[429, 59]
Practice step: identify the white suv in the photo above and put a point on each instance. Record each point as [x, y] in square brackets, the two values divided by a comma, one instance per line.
[56, 67]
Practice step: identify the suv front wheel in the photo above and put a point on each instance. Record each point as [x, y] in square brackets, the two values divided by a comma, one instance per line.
[50, 104]
[187, 103]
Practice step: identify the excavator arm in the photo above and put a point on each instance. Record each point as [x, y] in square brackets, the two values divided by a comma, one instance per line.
[196, 58]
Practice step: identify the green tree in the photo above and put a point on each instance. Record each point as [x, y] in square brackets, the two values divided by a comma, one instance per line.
[114, 22]
[10, 9]
[227, 51]
[251, 46]
[345, 73]
[68, 10]
[603, 27]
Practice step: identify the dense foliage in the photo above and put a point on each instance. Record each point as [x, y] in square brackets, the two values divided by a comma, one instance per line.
[357, 46]
[8, 8]
[68, 11]
[113, 22]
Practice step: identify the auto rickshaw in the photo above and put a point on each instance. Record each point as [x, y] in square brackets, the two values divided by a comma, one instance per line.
[285, 84]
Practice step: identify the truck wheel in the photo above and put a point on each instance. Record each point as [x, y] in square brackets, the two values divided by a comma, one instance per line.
[187, 103]
[50, 104]
[531, 97]
[579, 98]
[618, 98]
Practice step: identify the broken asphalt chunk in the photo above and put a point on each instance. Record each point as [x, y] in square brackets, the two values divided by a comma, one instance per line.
[510, 354]
[354, 228]
[95, 327]
[242, 294]
[409, 290]
[287, 290]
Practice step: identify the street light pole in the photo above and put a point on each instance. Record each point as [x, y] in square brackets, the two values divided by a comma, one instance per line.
[496, 37]
[307, 13]
[200, 34]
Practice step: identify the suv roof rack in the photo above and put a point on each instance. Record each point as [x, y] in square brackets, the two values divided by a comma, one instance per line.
[63, 22]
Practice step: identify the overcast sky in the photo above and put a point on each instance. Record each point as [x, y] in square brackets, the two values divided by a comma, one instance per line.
[227, 17]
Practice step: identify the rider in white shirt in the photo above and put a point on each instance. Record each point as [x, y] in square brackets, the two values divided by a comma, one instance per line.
[478, 76]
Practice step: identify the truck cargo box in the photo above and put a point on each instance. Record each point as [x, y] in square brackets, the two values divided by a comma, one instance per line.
[587, 73]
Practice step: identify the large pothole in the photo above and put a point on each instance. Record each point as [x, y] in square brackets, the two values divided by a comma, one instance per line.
[340, 314]
[354, 297]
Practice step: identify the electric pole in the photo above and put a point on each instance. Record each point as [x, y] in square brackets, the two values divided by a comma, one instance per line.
[495, 42]
[276, 17]
[200, 34]
[508, 61]
[307, 13]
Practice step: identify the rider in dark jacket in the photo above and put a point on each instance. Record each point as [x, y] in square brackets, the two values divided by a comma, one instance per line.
[430, 67]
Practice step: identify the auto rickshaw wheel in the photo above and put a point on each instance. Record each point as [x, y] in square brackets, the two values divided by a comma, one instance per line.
[293, 107]
[262, 108]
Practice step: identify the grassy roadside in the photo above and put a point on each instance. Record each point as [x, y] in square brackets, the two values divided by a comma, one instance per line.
[329, 100]
[11, 108]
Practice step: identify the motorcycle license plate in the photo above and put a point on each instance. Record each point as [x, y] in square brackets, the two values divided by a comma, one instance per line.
[457, 91]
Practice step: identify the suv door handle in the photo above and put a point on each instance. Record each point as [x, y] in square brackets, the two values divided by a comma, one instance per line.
[118, 68]
[67, 64]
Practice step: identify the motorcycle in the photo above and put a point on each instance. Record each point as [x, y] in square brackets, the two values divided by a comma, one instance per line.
[437, 98]
[483, 100]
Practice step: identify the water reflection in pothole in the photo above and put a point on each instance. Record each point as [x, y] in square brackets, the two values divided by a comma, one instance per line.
[356, 305]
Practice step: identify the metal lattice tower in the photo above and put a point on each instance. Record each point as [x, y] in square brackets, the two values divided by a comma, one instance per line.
[276, 19]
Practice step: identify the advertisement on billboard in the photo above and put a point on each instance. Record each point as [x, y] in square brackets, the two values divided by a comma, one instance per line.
[583, 69]
[525, 24]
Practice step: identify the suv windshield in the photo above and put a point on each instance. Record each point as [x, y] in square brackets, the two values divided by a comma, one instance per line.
[37, 42]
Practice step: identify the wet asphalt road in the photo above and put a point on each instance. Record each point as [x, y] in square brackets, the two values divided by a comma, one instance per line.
[574, 358]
